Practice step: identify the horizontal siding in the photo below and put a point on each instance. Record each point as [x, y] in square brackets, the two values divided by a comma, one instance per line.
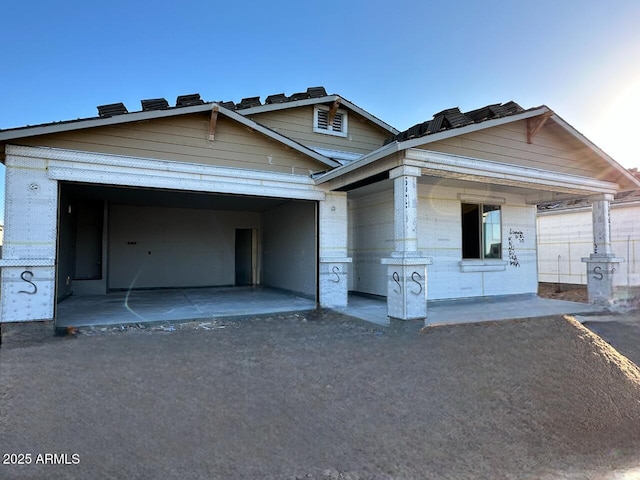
[297, 124]
[185, 139]
[551, 149]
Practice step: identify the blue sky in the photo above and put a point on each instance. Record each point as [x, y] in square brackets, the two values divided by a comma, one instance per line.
[402, 61]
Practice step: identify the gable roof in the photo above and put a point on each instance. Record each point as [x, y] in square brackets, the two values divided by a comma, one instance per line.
[117, 114]
[159, 107]
[452, 122]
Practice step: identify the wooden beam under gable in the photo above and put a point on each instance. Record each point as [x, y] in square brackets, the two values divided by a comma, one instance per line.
[535, 124]
[212, 123]
[333, 110]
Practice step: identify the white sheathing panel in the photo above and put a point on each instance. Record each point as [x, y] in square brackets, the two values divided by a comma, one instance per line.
[289, 247]
[154, 247]
[109, 169]
[28, 287]
[372, 240]
[440, 238]
[569, 234]
[334, 263]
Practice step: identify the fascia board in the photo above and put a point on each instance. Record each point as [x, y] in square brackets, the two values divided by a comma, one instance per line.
[285, 105]
[594, 148]
[367, 159]
[24, 132]
[454, 132]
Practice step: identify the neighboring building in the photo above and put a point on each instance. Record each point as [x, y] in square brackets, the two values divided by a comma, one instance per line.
[565, 236]
[308, 193]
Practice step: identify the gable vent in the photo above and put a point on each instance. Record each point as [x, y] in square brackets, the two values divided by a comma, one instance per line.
[323, 121]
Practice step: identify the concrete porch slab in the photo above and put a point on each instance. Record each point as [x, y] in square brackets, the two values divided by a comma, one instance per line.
[470, 310]
[175, 305]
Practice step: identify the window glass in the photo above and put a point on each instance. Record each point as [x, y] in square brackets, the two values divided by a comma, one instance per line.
[481, 231]
[492, 235]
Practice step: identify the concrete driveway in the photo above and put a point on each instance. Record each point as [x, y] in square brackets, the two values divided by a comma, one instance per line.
[319, 395]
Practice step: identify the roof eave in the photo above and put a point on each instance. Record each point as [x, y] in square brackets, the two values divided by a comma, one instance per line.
[598, 151]
[474, 127]
[371, 157]
[25, 132]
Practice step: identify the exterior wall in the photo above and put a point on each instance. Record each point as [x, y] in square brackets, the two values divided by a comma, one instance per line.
[297, 124]
[29, 250]
[372, 239]
[289, 247]
[173, 247]
[440, 238]
[551, 149]
[569, 234]
[186, 139]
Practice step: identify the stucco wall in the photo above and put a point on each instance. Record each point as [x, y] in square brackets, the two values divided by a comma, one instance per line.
[565, 237]
[440, 237]
[289, 247]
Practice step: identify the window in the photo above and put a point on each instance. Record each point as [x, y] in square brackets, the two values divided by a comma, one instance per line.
[321, 122]
[481, 231]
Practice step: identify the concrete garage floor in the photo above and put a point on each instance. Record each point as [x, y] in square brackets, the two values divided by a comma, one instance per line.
[184, 304]
[141, 306]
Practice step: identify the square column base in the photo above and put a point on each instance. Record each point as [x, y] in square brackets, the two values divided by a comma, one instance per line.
[600, 270]
[407, 287]
[334, 285]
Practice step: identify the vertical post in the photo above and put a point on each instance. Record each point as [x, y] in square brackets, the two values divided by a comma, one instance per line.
[602, 263]
[29, 250]
[407, 267]
[333, 226]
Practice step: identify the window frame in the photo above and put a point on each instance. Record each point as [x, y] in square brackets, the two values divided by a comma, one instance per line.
[481, 233]
[336, 133]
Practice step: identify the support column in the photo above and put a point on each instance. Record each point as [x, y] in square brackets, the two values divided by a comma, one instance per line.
[407, 267]
[29, 250]
[333, 278]
[602, 263]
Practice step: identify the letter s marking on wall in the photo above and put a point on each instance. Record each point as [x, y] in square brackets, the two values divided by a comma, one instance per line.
[396, 278]
[413, 277]
[23, 276]
[598, 273]
[335, 271]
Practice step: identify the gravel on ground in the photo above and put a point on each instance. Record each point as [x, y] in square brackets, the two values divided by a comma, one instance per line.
[320, 395]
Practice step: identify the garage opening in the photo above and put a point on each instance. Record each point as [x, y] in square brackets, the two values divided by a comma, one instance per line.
[118, 242]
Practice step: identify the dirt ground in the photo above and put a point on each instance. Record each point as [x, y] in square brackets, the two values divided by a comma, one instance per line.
[321, 396]
[563, 291]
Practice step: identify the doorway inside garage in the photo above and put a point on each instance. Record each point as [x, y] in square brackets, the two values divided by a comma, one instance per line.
[115, 241]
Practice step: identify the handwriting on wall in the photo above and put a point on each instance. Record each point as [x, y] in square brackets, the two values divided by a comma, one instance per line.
[599, 273]
[335, 271]
[396, 278]
[27, 276]
[515, 236]
[413, 277]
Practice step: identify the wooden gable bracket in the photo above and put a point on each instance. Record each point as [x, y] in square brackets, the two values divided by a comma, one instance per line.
[212, 123]
[535, 124]
[333, 110]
